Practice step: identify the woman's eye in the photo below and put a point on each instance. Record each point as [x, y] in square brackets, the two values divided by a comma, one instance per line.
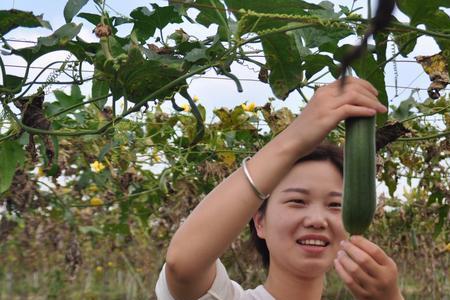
[297, 201]
[335, 205]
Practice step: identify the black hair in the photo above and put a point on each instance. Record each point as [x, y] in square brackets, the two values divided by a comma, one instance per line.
[323, 152]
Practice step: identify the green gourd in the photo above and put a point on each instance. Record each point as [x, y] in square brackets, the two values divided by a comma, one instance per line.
[359, 174]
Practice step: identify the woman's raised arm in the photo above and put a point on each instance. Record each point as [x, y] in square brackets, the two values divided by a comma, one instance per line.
[225, 211]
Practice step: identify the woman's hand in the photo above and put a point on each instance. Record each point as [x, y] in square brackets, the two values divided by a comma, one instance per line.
[367, 271]
[332, 104]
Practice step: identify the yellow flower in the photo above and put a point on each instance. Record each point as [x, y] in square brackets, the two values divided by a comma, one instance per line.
[447, 248]
[196, 98]
[155, 155]
[40, 172]
[96, 201]
[249, 107]
[99, 269]
[97, 167]
[92, 188]
[186, 107]
[110, 264]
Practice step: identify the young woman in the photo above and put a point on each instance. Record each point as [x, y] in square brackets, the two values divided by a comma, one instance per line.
[299, 226]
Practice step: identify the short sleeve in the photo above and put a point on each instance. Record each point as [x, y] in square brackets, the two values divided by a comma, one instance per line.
[223, 288]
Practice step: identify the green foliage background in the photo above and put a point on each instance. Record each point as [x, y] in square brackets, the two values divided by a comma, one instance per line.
[56, 241]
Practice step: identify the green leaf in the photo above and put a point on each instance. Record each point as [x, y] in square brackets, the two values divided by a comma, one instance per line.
[11, 19]
[404, 109]
[367, 68]
[106, 149]
[421, 12]
[65, 100]
[72, 8]
[443, 212]
[100, 88]
[12, 82]
[146, 21]
[316, 37]
[30, 54]
[326, 11]
[381, 40]
[211, 12]
[90, 229]
[429, 14]
[302, 50]
[61, 36]
[141, 77]
[196, 54]
[283, 61]
[12, 156]
[59, 40]
[314, 63]
[94, 19]
[293, 7]
[406, 42]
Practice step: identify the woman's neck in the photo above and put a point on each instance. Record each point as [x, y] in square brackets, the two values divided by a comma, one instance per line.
[283, 286]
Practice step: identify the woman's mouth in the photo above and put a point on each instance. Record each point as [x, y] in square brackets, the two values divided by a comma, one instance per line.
[313, 245]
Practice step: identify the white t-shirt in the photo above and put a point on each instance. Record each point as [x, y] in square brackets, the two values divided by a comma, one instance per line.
[223, 288]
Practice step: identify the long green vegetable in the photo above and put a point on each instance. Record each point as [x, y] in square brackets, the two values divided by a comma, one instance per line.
[359, 174]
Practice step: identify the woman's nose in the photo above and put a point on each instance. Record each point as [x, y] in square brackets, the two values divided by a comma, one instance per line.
[316, 219]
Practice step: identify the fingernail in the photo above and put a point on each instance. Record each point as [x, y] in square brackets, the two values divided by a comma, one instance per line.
[340, 253]
[352, 238]
[343, 242]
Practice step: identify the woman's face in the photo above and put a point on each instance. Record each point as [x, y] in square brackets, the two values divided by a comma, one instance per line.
[302, 224]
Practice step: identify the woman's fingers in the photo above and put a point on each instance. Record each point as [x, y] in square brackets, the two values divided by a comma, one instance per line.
[359, 96]
[368, 263]
[347, 111]
[349, 80]
[353, 268]
[366, 267]
[349, 281]
[371, 249]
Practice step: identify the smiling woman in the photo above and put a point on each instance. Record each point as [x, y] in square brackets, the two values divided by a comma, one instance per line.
[298, 229]
[324, 155]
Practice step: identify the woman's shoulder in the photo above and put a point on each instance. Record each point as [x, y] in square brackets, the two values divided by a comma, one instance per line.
[223, 288]
[259, 293]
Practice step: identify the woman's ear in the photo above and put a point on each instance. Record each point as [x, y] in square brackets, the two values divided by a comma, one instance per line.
[258, 220]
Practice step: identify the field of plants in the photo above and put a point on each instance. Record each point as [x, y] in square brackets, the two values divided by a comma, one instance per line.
[104, 154]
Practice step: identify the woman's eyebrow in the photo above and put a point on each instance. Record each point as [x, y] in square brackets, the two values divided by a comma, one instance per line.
[335, 194]
[307, 192]
[297, 190]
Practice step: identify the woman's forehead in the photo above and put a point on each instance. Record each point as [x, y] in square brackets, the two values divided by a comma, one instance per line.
[308, 177]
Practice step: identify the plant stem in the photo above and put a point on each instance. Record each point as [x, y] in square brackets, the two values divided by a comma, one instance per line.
[2, 67]
[299, 90]
[78, 105]
[424, 138]
[427, 114]
[396, 26]
[35, 79]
